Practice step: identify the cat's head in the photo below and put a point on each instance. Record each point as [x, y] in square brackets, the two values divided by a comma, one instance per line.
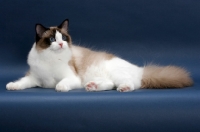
[53, 38]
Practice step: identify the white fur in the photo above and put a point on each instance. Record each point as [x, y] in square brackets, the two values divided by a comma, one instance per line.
[113, 73]
[125, 73]
[49, 69]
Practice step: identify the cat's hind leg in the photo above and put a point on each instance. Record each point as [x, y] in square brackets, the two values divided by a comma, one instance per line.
[99, 84]
[126, 84]
[125, 87]
[126, 76]
[23, 83]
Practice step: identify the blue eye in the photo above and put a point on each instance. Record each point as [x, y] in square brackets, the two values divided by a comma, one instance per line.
[52, 39]
[64, 37]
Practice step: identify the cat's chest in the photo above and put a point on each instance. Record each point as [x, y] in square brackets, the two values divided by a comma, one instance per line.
[55, 68]
[49, 70]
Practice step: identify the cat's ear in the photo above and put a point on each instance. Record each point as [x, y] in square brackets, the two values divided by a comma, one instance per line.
[64, 25]
[40, 29]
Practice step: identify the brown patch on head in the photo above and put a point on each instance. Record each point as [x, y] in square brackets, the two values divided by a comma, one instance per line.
[44, 41]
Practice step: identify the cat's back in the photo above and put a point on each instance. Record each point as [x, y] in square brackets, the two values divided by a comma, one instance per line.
[85, 57]
[89, 56]
[91, 65]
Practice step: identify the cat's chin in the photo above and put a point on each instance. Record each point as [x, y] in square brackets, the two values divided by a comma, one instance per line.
[60, 50]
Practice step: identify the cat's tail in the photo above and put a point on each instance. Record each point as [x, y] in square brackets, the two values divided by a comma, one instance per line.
[165, 77]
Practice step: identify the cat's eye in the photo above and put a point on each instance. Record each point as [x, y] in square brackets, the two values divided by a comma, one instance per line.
[64, 37]
[52, 39]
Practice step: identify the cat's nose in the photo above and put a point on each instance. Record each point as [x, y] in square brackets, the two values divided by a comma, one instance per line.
[61, 45]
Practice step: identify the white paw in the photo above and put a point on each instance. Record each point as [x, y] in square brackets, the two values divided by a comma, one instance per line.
[60, 87]
[13, 86]
[91, 86]
[125, 88]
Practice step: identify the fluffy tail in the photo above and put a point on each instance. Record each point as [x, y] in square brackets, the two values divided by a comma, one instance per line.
[165, 77]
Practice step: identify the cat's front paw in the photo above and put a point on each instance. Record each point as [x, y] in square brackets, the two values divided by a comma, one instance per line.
[13, 86]
[60, 87]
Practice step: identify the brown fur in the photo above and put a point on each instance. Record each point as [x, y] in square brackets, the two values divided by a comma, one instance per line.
[72, 66]
[88, 58]
[165, 77]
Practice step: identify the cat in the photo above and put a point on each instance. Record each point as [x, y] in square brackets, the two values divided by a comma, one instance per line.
[57, 63]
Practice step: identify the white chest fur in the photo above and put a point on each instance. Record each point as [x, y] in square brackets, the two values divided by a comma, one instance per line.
[48, 68]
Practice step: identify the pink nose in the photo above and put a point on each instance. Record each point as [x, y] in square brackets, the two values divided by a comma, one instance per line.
[61, 44]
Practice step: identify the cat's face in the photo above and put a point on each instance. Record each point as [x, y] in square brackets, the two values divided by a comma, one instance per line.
[53, 38]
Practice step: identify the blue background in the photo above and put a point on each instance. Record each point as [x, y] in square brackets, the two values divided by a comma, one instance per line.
[161, 32]
[142, 32]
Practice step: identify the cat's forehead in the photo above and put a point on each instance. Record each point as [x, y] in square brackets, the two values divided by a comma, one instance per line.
[51, 32]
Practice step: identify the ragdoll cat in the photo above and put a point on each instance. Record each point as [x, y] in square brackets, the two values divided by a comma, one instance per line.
[56, 63]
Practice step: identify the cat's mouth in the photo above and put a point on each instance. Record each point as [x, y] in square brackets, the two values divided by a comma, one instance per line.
[57, 50]
[58, 47]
